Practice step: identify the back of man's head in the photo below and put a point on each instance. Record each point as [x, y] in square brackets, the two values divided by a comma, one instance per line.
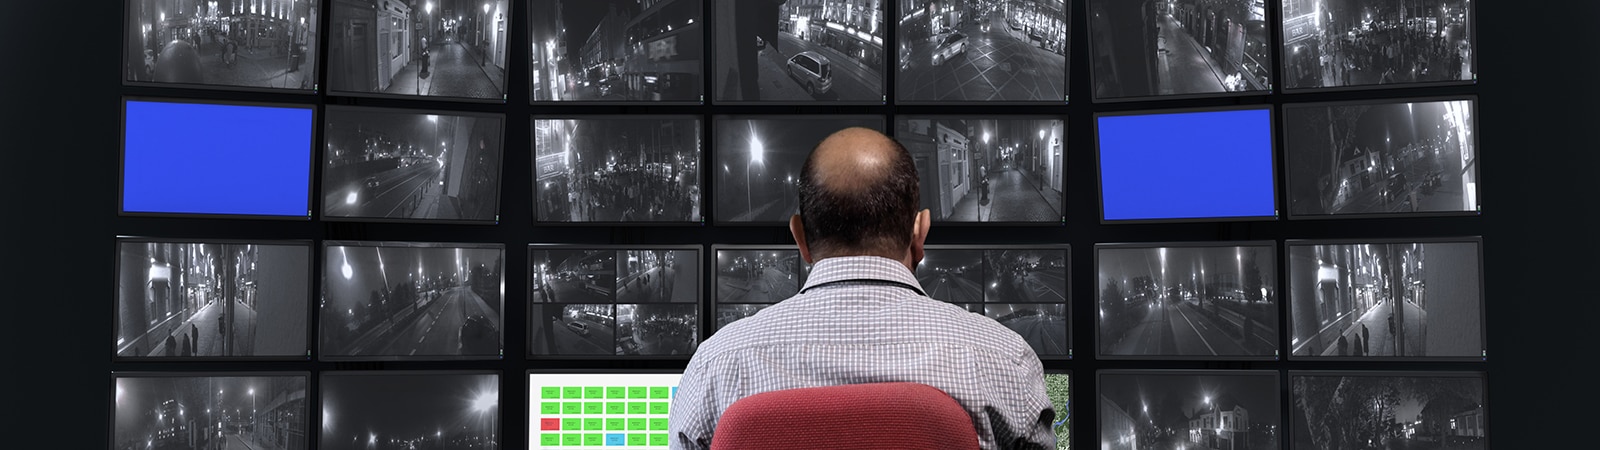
[859, 195]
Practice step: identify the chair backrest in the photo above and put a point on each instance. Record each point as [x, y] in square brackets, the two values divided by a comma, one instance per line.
[858, 416]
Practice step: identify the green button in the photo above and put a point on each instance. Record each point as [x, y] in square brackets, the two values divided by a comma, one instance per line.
[638, 392]
[658, 424]
[660, 392]
[572, 407]
[594, 392]
[635, 424]
[571, 424]
[571, 440]
[594, 408]
[658, 439]
[638, 408]
[549, 392]
[571, 392]
[616, 392]
[616, 407]
[550, 439]
[637, 439]
[594, 424]
[616, 424]
[594, 439]
[658, 408]
[550, 408]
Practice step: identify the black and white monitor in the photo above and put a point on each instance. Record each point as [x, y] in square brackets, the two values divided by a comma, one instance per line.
[411, 301]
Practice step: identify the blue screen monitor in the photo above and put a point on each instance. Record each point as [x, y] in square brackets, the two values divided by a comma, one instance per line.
[215, 159]
[1210, 165]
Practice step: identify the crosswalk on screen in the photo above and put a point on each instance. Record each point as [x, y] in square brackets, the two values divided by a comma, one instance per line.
[619, 411]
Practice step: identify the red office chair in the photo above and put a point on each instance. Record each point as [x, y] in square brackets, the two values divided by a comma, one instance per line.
[859, 416]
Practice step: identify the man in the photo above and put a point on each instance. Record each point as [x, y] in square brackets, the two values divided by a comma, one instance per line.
[862, 317]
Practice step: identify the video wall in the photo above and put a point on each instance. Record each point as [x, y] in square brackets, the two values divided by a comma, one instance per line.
[372, 224]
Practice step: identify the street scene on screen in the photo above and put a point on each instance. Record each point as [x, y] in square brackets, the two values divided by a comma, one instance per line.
[757, 162]
[401, 165]
[1384, 412]
[1189, 411]
[412, 300]
[614, 302]
[982, 50]
[211, 299]
[988, 170]
[257, 44]
[381, 411]
[1334, 43]
[1386, 300]
[657, 329]
[657, 276]
[210, 413]
[617, 170]
[616, 50]
[1188, 301]
[757, 276]
[1179, 47]
[1382, 158]
[954, 276]
[799, 50]
[440, 48]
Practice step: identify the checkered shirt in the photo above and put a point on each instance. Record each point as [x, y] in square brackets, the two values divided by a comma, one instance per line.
[865, 319]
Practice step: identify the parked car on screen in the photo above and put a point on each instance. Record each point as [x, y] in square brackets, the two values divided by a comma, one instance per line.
[812, 71]
[953, 44]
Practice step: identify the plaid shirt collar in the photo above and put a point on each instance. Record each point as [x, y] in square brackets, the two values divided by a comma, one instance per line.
[861, 268]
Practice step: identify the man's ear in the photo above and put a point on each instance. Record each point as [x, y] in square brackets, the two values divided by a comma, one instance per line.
[919, 233]
[798, 229]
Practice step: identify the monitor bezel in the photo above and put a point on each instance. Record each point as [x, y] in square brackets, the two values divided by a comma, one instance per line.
[1483, 310]
[321, 280]
[714, 79]
[699, 303]
[893, 57]
[716, 123]
[331, 111]
[311, 155]
[1288, 157]
[308, 94]
[1294, 410]
[111, 418]
[705, 149]
[1065, 131]
[1273, 125]
[1472, 36]
[1271, 250]
[701, 86]
[503, 99]
[1276, 390]
[1270, 38]
[306, 245]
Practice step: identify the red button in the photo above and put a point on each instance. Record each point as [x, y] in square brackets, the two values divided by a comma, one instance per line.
[550, 424]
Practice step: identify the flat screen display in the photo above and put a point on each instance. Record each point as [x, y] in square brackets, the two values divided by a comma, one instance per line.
[446, 48]
[988, 169]
[1195, 165]
[628, 169]
[398, 165]
[257, 45]
[970, 51]
[1378, 43]
[773, 52]
[600, 411]
[749, 279]
[178, 299]
[616, 51]
[1179, 49]
[401, 409]
[1401, 410]
[1382, 159]
[411, 301]
[1025, 289]
[1187, 301]
[1389, 300]
[1059, 387]
[769, 152]
[196, 411]
[613, 301]
[191, 158]
[1189, 409]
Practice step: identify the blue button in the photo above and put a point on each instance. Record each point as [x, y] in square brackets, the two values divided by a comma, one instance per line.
[674, 392]
[616, 440]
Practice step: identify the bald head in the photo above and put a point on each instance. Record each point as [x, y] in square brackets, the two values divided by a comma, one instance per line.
[859, 195]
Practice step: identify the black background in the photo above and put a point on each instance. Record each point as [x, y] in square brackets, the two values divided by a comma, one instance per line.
[62, 93]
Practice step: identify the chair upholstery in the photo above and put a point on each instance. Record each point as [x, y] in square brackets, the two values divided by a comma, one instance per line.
[873, 416]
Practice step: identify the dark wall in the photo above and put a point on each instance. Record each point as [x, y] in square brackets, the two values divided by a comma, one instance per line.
[61, 96]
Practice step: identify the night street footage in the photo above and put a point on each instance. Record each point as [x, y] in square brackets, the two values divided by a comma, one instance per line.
[412, 300]
[390, 164]
[1365, 411]
[411, 410]
[198, 299]
[617, 51]
[436, 48]
[1382, 158]
[1409, 300]
[1378, 42]
[1160, 48]
[992, 170]
[768, 153]
[1164, 410]
[1188, 301]
[624, 169]
[225, 43]
[631, 302]
[982, 50]
[168, 412]
[799, 52]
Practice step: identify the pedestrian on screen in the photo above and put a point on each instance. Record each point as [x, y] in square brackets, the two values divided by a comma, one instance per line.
[861, 228]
